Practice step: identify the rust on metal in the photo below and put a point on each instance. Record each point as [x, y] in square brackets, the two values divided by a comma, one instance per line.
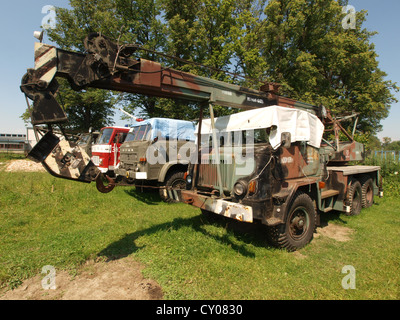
[103, 188]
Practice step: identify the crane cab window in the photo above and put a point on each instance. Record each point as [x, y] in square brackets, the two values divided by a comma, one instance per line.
[237, 138]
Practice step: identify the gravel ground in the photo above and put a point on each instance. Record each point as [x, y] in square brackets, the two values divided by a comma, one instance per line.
[114, 280]
[24, 165]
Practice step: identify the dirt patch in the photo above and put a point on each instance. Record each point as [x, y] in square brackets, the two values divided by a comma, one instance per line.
[115, 280]
[336, 232]
[25, 166]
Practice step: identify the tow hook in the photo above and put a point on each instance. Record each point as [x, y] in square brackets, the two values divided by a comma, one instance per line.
[101, 186]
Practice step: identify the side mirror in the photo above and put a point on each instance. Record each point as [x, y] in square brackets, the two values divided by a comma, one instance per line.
[286, 139]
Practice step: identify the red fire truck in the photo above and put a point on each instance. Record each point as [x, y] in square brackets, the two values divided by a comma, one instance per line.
[105, 152]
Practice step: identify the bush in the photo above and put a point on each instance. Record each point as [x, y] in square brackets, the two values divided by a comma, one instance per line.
[390, 171]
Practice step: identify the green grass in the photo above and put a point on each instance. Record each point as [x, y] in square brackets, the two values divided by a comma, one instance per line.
[4, 156]
[49, 221]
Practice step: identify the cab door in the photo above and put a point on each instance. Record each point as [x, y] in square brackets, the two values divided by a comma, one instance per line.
[118, 139]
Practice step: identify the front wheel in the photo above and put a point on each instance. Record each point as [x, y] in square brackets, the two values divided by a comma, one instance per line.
[298, 229]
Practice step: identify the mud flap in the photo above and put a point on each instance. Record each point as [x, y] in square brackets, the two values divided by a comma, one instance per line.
[64, 159]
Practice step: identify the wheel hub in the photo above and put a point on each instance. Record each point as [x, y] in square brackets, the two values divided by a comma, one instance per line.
[298, 223]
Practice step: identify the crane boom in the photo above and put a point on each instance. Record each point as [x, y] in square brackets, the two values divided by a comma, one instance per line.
[109, 66]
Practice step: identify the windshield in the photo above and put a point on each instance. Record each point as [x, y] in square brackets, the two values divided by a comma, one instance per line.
[105, 136]
[139, 133]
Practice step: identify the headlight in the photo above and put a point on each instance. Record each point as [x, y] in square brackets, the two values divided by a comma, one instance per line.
[189, 179]
[239, 188]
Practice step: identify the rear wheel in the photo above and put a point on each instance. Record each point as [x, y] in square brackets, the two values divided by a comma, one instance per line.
[355, 198]
[299, 226]
[175, 181]
[367, 190]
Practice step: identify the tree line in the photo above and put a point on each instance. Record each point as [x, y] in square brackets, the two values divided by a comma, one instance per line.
[300, 44]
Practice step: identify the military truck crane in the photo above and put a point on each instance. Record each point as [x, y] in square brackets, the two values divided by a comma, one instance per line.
[290, 183]
[110, 66]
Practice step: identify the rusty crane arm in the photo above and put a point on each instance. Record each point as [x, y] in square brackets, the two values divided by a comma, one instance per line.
[108, 65]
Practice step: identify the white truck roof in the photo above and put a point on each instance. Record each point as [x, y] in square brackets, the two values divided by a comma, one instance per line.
[302, 125]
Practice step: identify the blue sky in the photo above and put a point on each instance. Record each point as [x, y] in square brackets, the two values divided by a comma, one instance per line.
[19, 18]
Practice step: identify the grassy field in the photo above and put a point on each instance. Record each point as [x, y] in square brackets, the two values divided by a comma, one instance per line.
[48, 221]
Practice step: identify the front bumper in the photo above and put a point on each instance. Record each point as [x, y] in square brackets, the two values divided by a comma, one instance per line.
[135, 175]
[219, 206]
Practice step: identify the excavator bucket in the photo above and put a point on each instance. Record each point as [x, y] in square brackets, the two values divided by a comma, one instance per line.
[64, 159]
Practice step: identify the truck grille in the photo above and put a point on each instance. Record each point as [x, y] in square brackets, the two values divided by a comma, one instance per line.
[231, 171]
[128, 157]
[208, 175]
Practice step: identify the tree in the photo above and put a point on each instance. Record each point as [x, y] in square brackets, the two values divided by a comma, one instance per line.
[218, 34]
[373, 143]
[299, 43]
[394, 145]
[123, 20]
[201, 31]
[88, 108]
[386, 141]
[318, 61]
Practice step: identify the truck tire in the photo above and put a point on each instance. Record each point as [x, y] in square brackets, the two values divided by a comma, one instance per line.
[173, 181]
[355, 198]
[367, 189]
[299, 227]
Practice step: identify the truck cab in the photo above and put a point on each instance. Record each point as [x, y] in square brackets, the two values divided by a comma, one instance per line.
[87, 140]
[106, 150]
[156, 153]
